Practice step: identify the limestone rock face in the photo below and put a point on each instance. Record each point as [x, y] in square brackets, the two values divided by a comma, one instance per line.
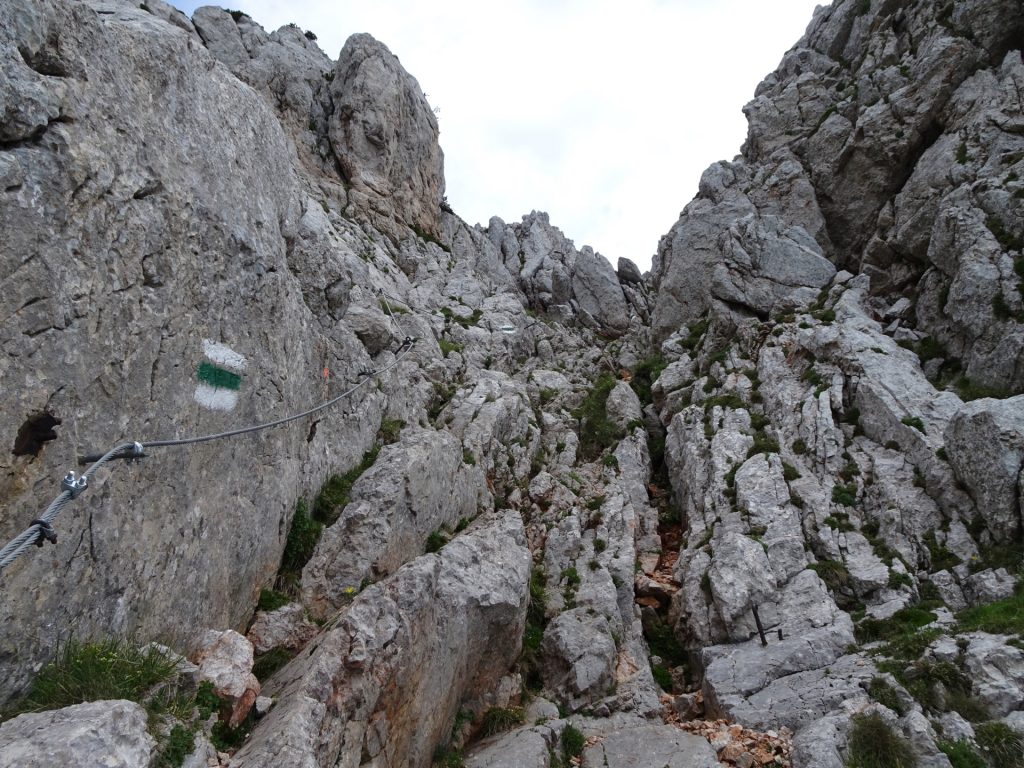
[870, 139]
[650, 746]
[985, 442]
[388, 680]
[107, 733]
[384, 134]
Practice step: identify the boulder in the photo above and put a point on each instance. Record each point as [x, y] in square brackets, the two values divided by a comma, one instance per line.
[225, 659]
[112, 734]
[985, 445]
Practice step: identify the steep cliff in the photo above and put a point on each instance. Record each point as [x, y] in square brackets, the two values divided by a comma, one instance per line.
[586, 506]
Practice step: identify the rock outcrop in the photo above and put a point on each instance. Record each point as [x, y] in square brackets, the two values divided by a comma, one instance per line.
[553, 508]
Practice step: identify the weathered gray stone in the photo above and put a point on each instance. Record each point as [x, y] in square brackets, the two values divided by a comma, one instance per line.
[415, 487]
[578, 658]
[985, 444]
[225, 659]
[652, 746]
[285, 627]
[996, 671]
[385, 134]
[623, 406]
[102, 733]
[519, 749]
[388, 680]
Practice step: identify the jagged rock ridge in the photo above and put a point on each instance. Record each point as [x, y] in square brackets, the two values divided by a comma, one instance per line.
[185, 196]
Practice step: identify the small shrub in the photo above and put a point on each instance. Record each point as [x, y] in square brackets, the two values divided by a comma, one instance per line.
[789, 472]
[762, 444]
[447, 347]
[180, 743]
[502, 719]
[436, 540]
[271, 600]
[572, 577]
[467, 457]
[915, 422]
[882, 692]
[833, 573]
[845, 494]
[1000, 744]
[873, 744]
[662, 677]
[609, 460]
[302, 538]
[390, 429]
[597, 432]
[905, 620]
[1001, 617]
[572, 741]
[646, 373]
[334, 494]
[898, 579]
[941, 558]
[600, 545]
[799, 446]
[266, 664]
[961, 754]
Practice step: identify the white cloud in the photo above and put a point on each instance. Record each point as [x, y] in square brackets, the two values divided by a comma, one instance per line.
[602, 113]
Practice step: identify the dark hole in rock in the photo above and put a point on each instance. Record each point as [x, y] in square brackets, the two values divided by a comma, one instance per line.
[37, 429]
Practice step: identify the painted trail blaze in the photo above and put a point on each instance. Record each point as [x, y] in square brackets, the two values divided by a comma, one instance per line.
[220, 377]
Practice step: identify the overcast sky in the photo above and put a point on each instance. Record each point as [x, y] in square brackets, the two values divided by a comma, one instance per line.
[600, 112]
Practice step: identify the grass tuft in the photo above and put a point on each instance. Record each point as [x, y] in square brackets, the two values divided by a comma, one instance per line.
[874, 744]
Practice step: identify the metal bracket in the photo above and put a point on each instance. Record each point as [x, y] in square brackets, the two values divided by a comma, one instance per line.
[46, 533]
[74, 485]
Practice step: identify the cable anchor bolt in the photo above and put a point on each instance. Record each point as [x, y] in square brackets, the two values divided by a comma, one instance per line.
[46, 533]
[74, 485]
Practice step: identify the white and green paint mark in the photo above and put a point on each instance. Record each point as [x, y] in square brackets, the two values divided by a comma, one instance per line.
[220, 376]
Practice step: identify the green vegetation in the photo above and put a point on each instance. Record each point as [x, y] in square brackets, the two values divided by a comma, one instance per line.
[833, 573]
[467, 457]
[266, 664]
[597, 431]
[839, 521]
[465, 322]
[646, 373]
[845, 494]
[969, 390]
[799, 446]
[1004, 617]
[725, 400]
[961, 754]
[271, 600]
[180, 742]
[502, 719]
[529, 660]
[789, 472]
[118, 669]
[108, 669]
[436, 540]
[1000, 744]
[941, 558]
[572, 742]
[695, 334]
[915, 422]
[446, 757]
[910, 645]
[904, 621]
[448, 347]
[961, 153]
[762, 444]
[302, 538]
[662, 677]
[390, 429]
[334, 494]
[873, 744]
[881, 691]
[596, 502]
